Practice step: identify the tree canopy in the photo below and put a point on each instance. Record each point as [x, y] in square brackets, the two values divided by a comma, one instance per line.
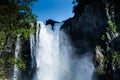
[16, 14]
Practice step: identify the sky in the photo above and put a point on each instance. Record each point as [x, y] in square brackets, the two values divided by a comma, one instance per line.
[57, 10]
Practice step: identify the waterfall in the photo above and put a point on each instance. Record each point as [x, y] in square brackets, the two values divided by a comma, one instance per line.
[53, 55]
[17, 52]
[32, 46]
[47, 53]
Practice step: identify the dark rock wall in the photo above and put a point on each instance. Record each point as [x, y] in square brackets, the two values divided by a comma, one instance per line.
[26, 57]
[87, 25]
[89, 30]
[28, 72]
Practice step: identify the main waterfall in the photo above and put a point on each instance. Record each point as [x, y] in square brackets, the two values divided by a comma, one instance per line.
[54, 56]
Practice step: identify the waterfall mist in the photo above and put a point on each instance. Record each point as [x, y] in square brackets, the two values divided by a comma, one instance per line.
[83, 68]
[53, 56]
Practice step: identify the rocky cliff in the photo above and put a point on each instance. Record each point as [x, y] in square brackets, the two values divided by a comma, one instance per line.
[95, 28]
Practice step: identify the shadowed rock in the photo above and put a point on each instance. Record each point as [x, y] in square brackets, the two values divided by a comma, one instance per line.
[51, 22]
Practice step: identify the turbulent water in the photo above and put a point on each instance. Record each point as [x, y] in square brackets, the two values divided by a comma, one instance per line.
[53, 55]
[17, 52]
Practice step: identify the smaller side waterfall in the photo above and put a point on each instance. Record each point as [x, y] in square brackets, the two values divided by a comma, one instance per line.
[32, 46]
[17, 52]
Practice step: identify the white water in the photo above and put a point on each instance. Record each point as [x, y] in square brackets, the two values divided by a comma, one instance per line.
[54, 60]
[32, 48]
[17, 52]
[84, 68]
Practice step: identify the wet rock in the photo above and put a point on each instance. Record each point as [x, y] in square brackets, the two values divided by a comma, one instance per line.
[51, 22]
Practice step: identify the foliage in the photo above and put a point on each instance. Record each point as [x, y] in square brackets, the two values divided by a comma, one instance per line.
[2, 40]
[20, 63]
[116, 56]
[103, 37]
[11, 61]
[112, 26]
[15, 18]
[24, 32]
[15, 14]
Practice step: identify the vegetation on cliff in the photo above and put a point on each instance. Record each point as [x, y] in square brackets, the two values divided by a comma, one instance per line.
[95, 27]
[16, 17]
[98, 22]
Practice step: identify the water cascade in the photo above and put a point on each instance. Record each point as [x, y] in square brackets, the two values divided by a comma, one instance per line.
[53, 55]
[32, 48]
[17, 52]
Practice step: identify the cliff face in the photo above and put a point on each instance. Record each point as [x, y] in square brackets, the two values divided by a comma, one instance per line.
[28, 71]
[92, 29]
[6, 58]
[87, 25]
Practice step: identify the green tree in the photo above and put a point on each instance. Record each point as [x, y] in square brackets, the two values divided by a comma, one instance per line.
[15, 14]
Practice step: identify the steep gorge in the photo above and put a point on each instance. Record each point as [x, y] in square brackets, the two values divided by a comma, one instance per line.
[92, 29]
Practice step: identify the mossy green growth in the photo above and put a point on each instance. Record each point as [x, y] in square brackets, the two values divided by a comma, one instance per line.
[20, 63]
[25, 32]
[112, 26]
[2, 76]
[2, 40]
[10, 61]
[116, 56]
[2, 61]
[103, 37]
